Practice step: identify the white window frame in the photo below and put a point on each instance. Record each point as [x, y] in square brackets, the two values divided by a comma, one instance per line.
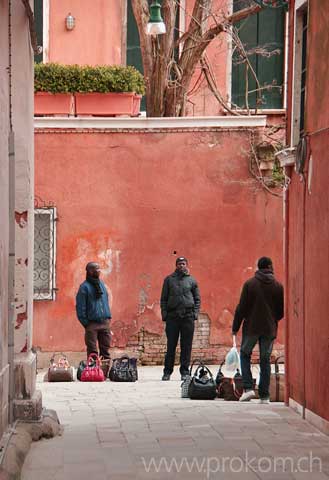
[300, 7]
[45, 32]
[51, 294]
[260, 111]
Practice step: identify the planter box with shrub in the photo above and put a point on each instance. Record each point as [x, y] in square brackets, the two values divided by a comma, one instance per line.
[86, 90]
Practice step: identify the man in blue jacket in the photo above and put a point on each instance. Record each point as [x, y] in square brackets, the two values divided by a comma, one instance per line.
[93, 311]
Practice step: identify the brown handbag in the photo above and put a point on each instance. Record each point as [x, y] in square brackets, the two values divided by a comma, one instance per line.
[105, 365]
[277, 385]
[60, 370]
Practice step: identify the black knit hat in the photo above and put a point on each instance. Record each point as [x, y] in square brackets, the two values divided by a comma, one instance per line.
[181, 259]
[91, 265]
[264, 262]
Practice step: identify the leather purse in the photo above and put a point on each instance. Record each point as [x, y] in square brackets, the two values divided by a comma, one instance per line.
[277, 385]
[202, 385]
[124, 369]
[105, 366]
[60, 370]
[230, 389]
[93, 371]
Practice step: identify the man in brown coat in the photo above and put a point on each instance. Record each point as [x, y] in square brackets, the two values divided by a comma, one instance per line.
[260, 309]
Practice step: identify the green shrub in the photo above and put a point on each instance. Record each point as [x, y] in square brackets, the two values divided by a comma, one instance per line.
[56, 78]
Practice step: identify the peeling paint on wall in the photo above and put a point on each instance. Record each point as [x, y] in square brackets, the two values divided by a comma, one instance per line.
[20, 318]
[21, 219]
[24, 349]
[131, 226]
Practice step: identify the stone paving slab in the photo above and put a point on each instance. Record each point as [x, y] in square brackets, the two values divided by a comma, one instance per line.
[146, 431]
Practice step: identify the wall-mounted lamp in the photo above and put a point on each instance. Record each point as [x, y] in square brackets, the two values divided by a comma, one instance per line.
[156, 25]
[69, 22]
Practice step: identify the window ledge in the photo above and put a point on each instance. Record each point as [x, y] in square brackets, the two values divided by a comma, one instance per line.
[251, 121]
[274, 111]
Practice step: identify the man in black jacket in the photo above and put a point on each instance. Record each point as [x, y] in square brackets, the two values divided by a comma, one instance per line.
[180, 306]
[260, 308]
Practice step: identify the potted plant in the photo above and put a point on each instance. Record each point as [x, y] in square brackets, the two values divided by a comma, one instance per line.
[53, 89]
[98, 90]
[109, 91]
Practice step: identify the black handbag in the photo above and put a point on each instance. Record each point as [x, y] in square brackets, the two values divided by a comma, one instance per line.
[202, 385]
[124, 369]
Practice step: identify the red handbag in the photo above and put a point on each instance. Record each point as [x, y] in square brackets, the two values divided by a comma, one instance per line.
[93, 371]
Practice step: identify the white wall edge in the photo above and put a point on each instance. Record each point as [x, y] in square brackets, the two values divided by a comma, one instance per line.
[145, 123]
[318, 422]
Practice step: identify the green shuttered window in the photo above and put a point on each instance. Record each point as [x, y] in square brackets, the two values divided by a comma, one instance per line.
[38, 20]
[262, 36]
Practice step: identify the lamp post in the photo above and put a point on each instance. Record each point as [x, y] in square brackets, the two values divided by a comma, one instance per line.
[156, 25]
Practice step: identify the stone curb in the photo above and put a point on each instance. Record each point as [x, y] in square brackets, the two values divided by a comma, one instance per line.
[22, 435]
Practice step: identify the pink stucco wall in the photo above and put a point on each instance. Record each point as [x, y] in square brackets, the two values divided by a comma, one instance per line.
[4, 192]
[132, 199]
[308, 233]
[96, 38]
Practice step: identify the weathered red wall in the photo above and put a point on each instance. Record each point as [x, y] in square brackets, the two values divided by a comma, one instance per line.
[129, 200]
[308, 230]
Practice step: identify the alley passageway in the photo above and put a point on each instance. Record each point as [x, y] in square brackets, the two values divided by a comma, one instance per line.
[145, 430]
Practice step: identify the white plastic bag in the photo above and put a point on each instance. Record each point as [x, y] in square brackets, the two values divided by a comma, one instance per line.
[232, 360]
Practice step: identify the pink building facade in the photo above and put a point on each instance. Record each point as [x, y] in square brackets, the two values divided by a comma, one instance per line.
[307, 213]
[136, 217]
[108, 35]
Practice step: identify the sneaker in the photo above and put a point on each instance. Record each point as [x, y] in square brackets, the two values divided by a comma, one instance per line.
[247, 396]
[165, 377]
[183, 377]
[264, 401]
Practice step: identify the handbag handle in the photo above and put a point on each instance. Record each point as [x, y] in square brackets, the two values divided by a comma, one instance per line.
[52, 360]
[95, 357]
[193, 363]
[205, 368]
[276, 364]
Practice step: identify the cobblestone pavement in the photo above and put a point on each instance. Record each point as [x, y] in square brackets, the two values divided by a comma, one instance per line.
[116, 431]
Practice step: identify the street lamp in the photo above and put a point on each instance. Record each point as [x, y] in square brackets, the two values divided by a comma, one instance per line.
[155, 24]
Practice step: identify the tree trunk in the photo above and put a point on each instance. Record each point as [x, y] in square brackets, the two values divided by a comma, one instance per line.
[167, 87]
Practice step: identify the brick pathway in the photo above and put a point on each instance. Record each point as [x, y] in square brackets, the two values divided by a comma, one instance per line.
[145, 430]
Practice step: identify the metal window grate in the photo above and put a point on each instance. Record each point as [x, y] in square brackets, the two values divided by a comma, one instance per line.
[44, 253]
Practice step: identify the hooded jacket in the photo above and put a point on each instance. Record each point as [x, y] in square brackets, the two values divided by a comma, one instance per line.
[89, 308]
[180, 296]
[261, 305]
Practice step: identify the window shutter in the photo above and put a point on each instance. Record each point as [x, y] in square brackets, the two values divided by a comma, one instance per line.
[38, 20]
[270, 69]
[248, 37]
[264, 31]
[134, 56]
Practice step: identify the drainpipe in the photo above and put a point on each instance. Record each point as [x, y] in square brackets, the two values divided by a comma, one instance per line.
[304, 296]
[286, 294]
[11, 261]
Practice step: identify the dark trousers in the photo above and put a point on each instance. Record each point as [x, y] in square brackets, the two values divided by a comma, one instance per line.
[175, 327]
[98, 332]
[265, 350]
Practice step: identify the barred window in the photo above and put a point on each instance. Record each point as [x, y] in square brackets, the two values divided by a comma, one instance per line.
[44, 253]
